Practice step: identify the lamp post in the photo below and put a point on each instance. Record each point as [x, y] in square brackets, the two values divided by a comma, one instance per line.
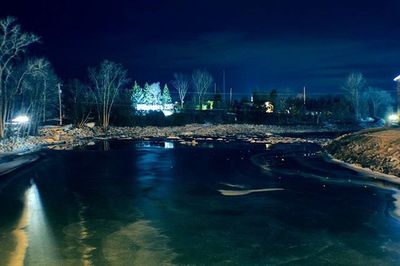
[397, 80]
[398, 98]
[59, 101]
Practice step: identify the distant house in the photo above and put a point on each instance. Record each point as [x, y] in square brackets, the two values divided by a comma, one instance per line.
[269, 107]
[167, 109]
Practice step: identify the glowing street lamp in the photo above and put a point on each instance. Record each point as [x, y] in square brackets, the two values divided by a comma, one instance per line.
[394, 118]
[269, 107]
[21, 119]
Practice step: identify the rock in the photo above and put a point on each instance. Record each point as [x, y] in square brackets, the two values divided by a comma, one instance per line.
[57, 137]
[90, 125]
[233, 132]
[375, 149]
[187, 133]
[67, 127]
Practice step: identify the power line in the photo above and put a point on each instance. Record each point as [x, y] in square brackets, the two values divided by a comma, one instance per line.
[279, 94]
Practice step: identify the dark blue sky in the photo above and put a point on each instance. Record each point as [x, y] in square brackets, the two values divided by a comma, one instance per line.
[269, 44]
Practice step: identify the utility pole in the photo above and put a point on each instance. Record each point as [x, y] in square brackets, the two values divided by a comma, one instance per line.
[397, 80]
[223, 83]
[398, 96]
[59, 101]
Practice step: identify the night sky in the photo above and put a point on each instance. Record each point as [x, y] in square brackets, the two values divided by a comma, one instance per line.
[265, 44]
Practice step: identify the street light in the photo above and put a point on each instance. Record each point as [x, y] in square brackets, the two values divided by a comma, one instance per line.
[59, 101]
[393, 118]
[397, 80]
[21, 119]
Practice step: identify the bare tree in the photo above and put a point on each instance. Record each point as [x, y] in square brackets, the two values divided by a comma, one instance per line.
[181, 84]
[35, 83]
[377, 101]
[50, 89]
[107, 80]
[353, 87]
[13, 42]
[202, 81]
[283, 100]
[79, 102]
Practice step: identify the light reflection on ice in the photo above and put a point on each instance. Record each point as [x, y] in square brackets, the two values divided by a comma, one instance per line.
[246, 191]
[168, 145]
[396, 211]
[35, 244]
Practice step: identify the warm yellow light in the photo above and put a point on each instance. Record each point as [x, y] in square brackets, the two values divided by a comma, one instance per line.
[269, 107]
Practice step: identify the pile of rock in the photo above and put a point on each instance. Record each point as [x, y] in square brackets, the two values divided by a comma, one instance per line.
[15, 144]
[208, 130]
[378, 150]
[66, 137]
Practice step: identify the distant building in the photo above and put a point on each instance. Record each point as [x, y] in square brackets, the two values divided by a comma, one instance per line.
[209, 105]
[269, 107]
[167, 109]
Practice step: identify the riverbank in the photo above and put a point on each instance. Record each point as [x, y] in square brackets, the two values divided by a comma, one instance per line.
[377, 150]
[68, 137]
[11, 162]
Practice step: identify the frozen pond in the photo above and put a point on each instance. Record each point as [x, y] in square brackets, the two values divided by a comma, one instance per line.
[141, 203]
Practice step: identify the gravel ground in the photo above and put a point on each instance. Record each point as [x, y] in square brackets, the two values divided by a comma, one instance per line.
[67, 137]
[16, 152]
[378, 150]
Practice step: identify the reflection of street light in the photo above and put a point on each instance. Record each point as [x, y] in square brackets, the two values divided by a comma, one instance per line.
[21, 119]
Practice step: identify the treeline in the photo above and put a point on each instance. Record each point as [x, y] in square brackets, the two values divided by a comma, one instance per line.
[30, 87]
[356, 102]
[27, 85]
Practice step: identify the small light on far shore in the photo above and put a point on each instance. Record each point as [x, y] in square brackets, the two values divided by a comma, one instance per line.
[21, 119]
[393, 118]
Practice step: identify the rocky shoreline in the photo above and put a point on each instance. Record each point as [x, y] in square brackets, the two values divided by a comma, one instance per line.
[377, 150]
[17, 152]
[68, 137]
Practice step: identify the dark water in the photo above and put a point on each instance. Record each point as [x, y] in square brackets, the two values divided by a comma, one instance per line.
[152, 204]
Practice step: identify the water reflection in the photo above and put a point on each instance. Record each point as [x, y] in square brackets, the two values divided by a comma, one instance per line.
[147, 203]
[141, 242]
[106, 145]
[138, 243]
[84, 233]
[168, 145]
[396, 202]
[35, 244]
